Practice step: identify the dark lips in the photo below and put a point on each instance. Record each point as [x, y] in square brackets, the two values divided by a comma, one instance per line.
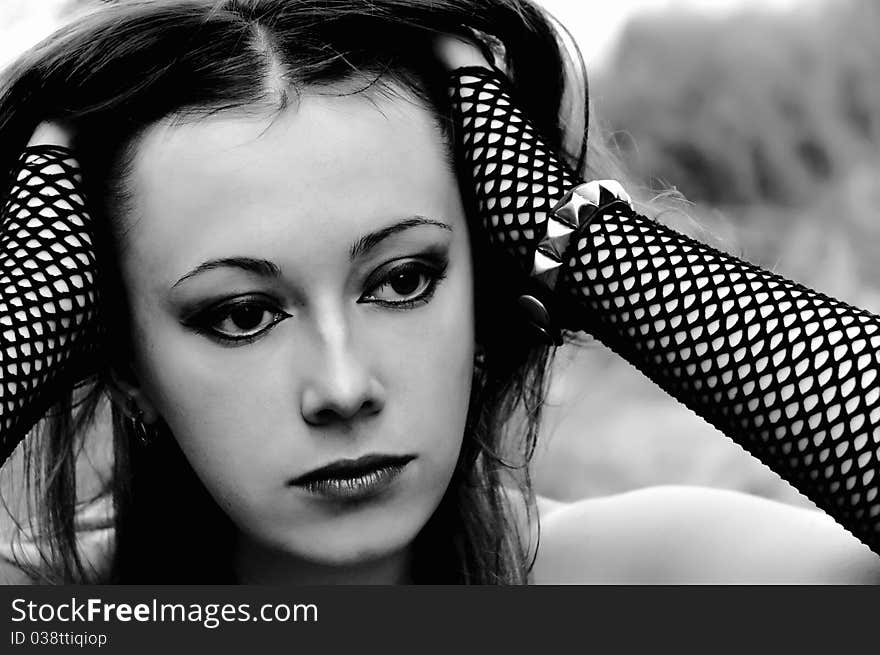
[353, 478]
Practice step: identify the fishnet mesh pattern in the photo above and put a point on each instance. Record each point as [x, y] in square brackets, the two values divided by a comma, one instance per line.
[788, 373]
[517, 179]
[47, 289]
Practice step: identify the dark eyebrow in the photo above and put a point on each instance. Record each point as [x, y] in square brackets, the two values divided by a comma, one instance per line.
[360, 247]
[369, 241]
[259, 266]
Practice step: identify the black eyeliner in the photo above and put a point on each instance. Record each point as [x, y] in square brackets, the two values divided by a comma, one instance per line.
[431, 263]
[209, 313]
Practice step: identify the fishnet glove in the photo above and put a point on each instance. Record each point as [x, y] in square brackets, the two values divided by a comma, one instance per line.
[788, 373]
[48, 293]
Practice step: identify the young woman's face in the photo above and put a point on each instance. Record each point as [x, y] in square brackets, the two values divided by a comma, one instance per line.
[301, 293]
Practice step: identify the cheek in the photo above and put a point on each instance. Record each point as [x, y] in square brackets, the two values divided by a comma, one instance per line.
[216, 402]
[435, 368]
[216, 408]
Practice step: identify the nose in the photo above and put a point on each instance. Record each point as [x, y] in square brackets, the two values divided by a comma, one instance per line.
[342, 387]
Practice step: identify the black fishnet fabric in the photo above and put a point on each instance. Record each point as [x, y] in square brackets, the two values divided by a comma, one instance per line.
[516, 178]
[47, 289]
[788, 373]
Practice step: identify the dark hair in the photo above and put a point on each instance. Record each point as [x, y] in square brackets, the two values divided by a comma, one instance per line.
[113, 73]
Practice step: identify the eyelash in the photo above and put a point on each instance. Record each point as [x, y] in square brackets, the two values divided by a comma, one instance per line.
[433, 274]
[205, 322]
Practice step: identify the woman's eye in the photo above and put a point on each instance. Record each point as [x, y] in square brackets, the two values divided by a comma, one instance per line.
[406, 285]
[245, 320]
[240, 320]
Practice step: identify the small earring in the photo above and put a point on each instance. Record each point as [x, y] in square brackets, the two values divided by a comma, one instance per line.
[141, 430]
[479, 357]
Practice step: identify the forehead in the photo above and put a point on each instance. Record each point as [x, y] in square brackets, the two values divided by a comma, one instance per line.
[321, 173]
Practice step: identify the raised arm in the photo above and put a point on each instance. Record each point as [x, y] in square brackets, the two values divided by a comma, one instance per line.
[788, 373]
[48, 294]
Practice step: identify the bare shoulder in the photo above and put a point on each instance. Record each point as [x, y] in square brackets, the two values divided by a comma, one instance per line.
[681, 534]
[94, 540]
[547, 506]
[10, 572]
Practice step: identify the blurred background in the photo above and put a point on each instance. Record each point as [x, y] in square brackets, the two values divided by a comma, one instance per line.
[765, 114]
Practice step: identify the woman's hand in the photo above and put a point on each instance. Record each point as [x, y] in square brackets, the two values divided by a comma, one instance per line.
[49, 133]
[48, 304]
[515, 177]
[456, 51]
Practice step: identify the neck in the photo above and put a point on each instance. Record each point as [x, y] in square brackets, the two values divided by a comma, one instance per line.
[255, 564]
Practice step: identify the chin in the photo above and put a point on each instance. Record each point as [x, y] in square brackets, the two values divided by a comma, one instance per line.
[345, 550]
[356, 553]
[359, 536]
